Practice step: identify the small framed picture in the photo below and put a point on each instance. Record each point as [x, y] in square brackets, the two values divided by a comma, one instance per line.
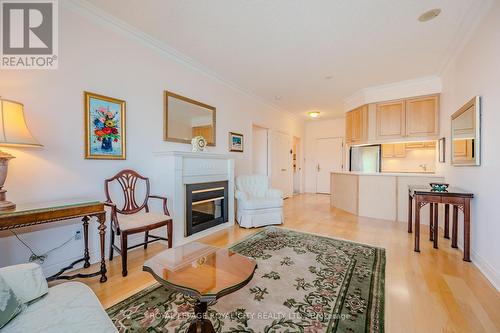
[235, 142]
[104, 127]
[442, 150]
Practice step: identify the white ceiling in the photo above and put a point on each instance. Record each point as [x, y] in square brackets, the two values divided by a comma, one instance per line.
[287, 47]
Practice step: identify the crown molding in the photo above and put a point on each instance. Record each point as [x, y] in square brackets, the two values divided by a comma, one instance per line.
[88, 10]
[468, 26]
[426, 85]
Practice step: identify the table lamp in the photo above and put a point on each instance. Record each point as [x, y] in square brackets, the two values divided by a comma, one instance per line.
[13, 133]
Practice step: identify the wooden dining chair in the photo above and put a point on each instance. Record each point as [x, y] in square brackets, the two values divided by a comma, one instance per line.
[134, 218]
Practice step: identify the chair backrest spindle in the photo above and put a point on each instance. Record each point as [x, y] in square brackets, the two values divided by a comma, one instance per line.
[128, 181]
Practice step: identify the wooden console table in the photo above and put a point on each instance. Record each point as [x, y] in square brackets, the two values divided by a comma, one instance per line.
[33, 214]
[458, 198]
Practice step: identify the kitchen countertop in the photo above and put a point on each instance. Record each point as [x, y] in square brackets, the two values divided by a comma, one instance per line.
[392, 174]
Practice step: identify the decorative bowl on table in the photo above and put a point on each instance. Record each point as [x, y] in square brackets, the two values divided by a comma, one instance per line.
[439, 187]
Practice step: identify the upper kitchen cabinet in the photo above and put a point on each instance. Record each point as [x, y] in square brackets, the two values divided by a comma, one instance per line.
[391, 120]
[413, 117]
[348, 127]
[422, 116]
[356, 125]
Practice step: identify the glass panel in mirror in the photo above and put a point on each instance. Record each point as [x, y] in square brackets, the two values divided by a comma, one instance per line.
[465, 134]
[186, 118]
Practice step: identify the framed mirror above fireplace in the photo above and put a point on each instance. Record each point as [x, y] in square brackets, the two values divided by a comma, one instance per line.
[186, 118]
[206, 206]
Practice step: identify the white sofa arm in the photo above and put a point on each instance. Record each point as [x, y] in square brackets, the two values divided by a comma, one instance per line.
[274, 194]
[26, 280]
[240, 195]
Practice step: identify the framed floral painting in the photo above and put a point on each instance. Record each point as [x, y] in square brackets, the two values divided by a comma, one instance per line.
[104, 127]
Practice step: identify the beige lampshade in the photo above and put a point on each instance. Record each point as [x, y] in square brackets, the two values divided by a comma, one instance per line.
[13, 128]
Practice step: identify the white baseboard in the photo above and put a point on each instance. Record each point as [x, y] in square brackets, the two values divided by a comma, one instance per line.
[95, 256]
[488, 271]
[484, 267]
[53, 268]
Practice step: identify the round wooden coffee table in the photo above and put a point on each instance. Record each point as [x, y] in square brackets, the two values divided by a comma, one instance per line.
[203, 272]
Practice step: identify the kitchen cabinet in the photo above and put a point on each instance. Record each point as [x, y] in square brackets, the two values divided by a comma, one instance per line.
[348, 127]
[399, 150]
[410, 119]
[422, 116]
[413, 117]
[356, 127]
[430, 144]
[391, 120]
[393, 150]
[415, 145]
[387, 150]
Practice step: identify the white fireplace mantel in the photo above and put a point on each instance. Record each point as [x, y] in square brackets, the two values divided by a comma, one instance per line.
[204, 155]
[175, 169]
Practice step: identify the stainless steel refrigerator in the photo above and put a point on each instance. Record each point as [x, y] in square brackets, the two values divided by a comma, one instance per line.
[365, 158]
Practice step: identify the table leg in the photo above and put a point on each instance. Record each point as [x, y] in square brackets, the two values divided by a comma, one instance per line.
[102, 232]
[436, 225]
[454, 227]
[410, 213]
[447, 221]
[200, 324]
[86, 254]
[467, 230]
[431, 221]
[417, 224]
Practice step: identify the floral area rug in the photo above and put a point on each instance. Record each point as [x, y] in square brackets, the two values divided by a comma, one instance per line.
[303, 283]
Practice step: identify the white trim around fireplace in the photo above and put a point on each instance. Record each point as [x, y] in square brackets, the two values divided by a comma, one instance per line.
[175, 169]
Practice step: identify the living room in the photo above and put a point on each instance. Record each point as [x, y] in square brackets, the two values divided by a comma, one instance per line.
[258, 149]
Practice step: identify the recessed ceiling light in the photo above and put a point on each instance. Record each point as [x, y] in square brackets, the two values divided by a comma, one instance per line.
[313, 114]
[429, 15]
[277, 97]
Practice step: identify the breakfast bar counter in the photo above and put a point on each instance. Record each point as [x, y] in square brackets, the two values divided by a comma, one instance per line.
[377, 195]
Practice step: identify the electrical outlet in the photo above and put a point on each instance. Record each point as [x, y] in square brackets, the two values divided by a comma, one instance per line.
[78, 235]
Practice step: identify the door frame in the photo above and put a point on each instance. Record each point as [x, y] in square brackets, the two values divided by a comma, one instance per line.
[300, 164]
[316, 157]
[268, 148]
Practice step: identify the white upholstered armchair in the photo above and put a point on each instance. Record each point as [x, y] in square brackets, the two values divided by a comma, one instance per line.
[258, 205]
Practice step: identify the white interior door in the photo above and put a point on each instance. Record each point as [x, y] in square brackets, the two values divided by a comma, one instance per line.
[281, 160]
[260, 150]
[329, 157]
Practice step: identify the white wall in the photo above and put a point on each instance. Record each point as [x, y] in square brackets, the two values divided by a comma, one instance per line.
[97, 58]
[476, 71]
[316, 129]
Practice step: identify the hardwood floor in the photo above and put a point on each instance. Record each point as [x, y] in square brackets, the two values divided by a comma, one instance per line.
[434, 291]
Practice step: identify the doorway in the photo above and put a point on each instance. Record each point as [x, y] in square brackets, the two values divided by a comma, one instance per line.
[329, 158]
[260, 151]
[297, 165]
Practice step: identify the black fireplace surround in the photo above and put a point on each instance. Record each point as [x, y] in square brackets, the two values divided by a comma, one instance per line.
[206, 206]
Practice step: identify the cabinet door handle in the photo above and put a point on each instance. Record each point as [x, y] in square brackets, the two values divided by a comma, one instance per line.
[318, 168]
[283, 169]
